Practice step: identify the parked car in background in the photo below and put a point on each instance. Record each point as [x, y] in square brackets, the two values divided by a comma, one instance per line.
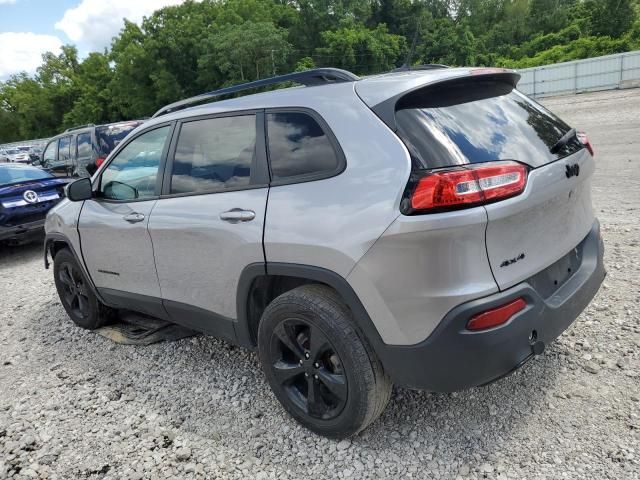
[16, 155]
[26, 195]
[4, 156]
[78, 151]
[431, 228]
[35, 154]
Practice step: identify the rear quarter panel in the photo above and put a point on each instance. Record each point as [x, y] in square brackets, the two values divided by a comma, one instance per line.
[331, 223]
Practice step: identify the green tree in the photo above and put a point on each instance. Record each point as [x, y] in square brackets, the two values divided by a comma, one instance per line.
[355, 47]
[244, 52]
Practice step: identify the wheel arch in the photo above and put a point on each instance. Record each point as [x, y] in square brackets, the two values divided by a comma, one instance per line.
[53, 243]
[253, 297]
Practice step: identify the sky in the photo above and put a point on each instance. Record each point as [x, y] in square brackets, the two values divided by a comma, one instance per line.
[29, 28]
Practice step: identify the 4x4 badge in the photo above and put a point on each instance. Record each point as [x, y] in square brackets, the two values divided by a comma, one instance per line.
[511, 261]
[572, 170]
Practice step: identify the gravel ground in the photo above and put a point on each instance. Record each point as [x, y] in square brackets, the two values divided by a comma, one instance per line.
[75, 405]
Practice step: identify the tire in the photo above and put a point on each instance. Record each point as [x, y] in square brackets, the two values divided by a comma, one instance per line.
[318, 365]
[76, 294]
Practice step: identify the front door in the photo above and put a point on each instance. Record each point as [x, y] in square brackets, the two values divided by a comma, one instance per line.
[115, 242]
[208, 225]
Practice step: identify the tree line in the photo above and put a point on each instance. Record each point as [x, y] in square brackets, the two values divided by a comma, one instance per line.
[185, 50]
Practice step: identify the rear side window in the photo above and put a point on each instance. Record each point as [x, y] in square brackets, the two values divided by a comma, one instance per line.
[109, 137]
[479, 122]
[298, 146]
[214, 154]
[64, 150]
[84, 146]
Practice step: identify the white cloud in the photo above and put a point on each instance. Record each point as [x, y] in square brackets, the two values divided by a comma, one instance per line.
[94, 23]
[23, 51]
[7, 2]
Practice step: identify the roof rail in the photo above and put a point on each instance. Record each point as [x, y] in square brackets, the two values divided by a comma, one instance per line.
[428, 66]
[70, 129]
[308, 78]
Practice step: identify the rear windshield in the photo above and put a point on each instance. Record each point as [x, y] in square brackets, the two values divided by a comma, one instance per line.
[14, 174]
[478, 122]
[109, 136]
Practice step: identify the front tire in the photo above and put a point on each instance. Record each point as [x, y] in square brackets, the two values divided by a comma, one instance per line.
[318, 365]
[75, 293]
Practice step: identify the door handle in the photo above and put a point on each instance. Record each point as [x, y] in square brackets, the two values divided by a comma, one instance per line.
[134, 217]
[236, 215]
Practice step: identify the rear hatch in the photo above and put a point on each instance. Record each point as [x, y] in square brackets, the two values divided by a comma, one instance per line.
[471, 122]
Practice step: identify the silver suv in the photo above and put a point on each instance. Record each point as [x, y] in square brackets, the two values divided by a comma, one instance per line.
[429, 228]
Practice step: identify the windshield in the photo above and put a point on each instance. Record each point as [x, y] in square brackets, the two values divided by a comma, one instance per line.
[476, 123]
[12, 174]
[13, 151]
[109, 136]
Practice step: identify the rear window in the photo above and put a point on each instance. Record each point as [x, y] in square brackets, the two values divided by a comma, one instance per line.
[109, 136]
[12, 174]
[478, 122]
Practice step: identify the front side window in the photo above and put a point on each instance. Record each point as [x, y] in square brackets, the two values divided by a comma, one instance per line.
[133, 172]
[64, 150]
[214, 154]
[49, 155]
[298, 146]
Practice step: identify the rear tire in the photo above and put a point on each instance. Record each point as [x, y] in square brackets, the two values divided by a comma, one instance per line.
[76, 295]
[318, 365]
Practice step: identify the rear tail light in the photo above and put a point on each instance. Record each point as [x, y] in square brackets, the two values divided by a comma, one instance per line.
[466, 186]
[496, 316]
[100, 161]
[585, 141]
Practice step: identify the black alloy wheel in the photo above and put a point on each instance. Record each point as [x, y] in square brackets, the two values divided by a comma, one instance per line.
[75, 293]
[308, 368]
[318, 364]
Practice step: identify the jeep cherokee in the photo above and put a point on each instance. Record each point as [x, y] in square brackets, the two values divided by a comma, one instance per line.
[429, 228]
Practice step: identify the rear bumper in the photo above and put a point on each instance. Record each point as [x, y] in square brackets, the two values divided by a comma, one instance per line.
[20, 232]
[453, 358]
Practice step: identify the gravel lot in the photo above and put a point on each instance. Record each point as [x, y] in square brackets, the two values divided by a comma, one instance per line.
[75, 405]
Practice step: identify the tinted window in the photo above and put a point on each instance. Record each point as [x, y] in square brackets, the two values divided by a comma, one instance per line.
[298, 146]
[132, 173]
[64, 150]
[214, 154]
[49, 155]
[14, 174]
[109, 136]
[84, 145]
[478, 123]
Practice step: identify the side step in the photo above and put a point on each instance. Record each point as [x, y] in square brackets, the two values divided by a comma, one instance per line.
[136, 329]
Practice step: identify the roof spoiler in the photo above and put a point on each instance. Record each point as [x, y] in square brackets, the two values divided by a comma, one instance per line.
[386, 109]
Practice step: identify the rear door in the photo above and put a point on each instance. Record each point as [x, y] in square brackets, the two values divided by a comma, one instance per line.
[208, 224]
[473, 122]
[113, 225]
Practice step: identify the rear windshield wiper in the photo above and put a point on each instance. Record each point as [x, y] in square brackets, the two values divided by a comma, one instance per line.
[563, 140]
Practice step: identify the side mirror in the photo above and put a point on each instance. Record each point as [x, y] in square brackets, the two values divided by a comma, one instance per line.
[79, 190]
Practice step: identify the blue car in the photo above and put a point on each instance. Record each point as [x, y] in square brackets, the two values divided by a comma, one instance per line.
[26, 195]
